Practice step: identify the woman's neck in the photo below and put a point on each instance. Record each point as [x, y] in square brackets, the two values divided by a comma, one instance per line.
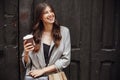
[48, 27]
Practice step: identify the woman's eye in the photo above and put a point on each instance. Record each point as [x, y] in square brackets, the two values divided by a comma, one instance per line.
[45, 12]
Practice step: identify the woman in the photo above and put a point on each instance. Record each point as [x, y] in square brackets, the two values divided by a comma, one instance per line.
[52, 49]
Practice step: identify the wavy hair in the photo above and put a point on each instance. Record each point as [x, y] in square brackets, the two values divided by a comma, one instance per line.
[39, 27]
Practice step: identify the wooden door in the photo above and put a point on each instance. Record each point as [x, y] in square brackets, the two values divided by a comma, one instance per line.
[105, 40]
[9, 69]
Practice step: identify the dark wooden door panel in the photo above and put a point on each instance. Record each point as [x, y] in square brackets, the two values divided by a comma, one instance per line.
[75, 66]
[9, 65]
[105, 66]
[105, 57]
[11, 68]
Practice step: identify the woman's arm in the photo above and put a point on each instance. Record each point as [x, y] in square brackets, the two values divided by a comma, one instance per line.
[64, 61]
[25, 56]
[39, 72]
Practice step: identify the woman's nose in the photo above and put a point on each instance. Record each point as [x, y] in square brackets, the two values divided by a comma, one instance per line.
[50, 13]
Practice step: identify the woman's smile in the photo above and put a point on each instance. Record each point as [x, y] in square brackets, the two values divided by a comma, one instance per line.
[48, 15]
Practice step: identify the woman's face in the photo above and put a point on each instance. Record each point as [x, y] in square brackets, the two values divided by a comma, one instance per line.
[48, 16]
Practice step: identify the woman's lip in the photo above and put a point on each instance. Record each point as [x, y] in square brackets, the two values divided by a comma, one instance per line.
[51, 18]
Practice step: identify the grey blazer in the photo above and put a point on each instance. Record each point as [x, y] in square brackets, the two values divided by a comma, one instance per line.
[60, 56]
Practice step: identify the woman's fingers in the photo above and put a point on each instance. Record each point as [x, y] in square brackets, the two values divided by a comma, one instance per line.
[28, 46]
[24, 42]
[35, 73]
[29, 49]
[32, 74]
[36, 76]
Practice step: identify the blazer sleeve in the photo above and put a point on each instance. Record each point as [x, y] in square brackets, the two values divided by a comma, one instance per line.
[64, 61]
[29, 61]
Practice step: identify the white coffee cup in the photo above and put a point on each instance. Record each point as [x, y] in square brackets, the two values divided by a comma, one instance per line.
[28, 38]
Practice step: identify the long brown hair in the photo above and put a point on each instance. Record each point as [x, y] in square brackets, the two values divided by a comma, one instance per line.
[38, 26]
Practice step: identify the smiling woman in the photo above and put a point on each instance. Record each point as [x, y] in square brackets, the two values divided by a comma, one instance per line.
[48, 16]
[52, 47]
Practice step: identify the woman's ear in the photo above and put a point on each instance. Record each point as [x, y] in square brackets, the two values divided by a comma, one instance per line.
[40, 18]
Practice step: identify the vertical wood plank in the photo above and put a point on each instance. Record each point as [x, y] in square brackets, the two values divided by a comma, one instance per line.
[25, 26]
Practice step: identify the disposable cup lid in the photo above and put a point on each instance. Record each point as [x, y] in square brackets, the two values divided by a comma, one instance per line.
[28, 37]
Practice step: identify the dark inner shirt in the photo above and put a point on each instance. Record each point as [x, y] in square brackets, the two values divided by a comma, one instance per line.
[46, 48]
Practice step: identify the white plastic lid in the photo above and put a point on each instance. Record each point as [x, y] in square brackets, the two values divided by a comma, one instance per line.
[27, 37]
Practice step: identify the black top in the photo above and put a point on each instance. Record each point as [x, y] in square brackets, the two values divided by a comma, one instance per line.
[46, 52]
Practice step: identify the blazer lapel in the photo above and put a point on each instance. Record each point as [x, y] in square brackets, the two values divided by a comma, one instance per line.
[51, 51]
[40, 55]
[51, 46]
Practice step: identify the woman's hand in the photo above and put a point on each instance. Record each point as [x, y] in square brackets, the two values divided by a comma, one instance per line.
[36, 73]
[28, 46]
[39, 72]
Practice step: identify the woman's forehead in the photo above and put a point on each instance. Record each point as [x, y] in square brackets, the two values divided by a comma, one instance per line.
[47, 8]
